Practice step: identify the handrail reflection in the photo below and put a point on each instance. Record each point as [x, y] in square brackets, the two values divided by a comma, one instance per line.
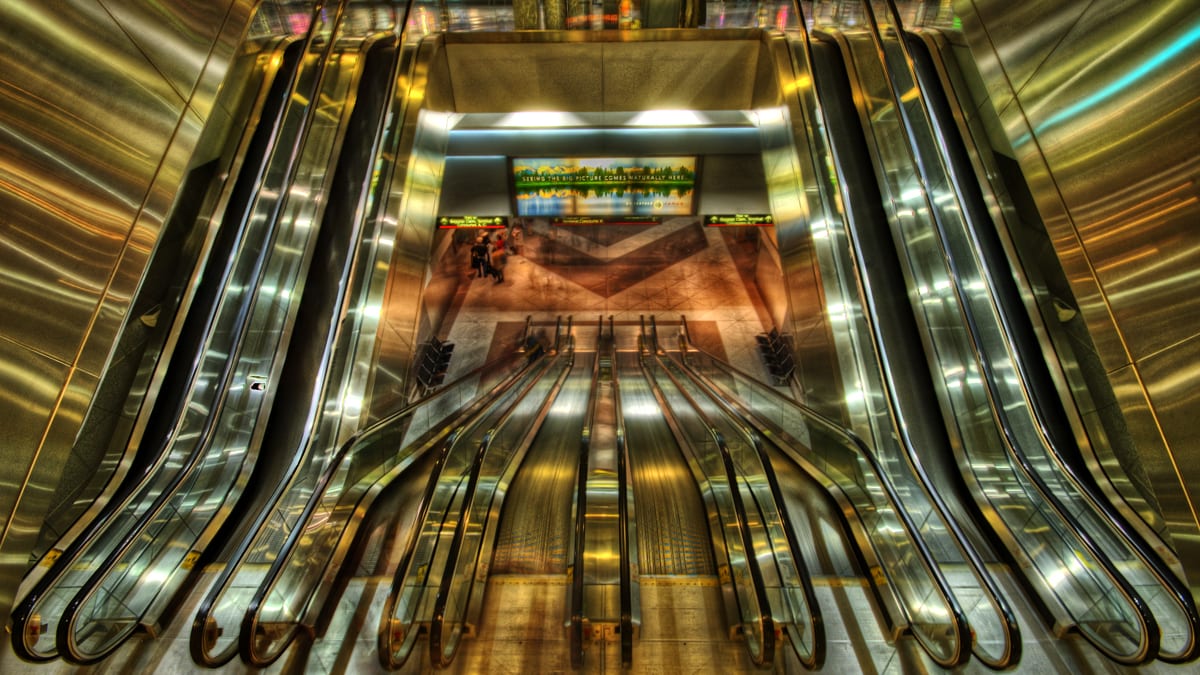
[809, 645]
[461, 571]
[954, 624]
[754, 602]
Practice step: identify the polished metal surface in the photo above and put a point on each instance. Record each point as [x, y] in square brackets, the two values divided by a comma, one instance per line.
[884, 396]
[174, 36]
[412, 194]
[341, 305]
[672, 530]
[1102, 120]
[180, 498]
[87, 181]
[1144, 416]
[992, 366]
[535, 530]
[887, 139]
[117, 420]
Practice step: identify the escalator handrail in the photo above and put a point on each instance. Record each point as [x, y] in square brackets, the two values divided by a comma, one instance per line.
[816, 622]
[251, 619]
[437, 650]
[197, 648]
[65, 630]
[624, 521]
[1035, 402]
[1149, 647]
[911, 530]
[766, 655]
[1012, 632]
[575, 610]
[537, 364]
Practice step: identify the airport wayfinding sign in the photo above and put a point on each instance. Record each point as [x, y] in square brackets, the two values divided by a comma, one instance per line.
[739, 220]
[485, 222]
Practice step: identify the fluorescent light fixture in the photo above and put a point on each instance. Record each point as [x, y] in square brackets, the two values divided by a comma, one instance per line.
[668, 118]
[540, 119]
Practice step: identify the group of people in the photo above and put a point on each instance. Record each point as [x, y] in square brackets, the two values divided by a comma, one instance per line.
[488, 255]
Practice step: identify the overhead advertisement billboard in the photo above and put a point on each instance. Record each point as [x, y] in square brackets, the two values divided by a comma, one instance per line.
[604, 186]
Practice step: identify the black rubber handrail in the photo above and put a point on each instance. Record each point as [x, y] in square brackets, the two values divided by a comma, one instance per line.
[959, 622]
[766, 654]
[816, 622]
[442, 654]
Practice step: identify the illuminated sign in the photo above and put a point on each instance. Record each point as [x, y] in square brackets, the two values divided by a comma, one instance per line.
[604, 186]
[486, 222]
[606, 220]
[739, 219]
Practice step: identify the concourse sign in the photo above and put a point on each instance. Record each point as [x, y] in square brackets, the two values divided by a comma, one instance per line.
[475, 222]
[739, 220]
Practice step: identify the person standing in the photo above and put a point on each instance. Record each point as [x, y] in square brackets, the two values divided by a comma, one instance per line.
[498, 257]
[515, 238]
[479, 256]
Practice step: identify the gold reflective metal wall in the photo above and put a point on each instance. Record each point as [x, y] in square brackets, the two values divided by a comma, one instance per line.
[101, 109]
[1101, 105]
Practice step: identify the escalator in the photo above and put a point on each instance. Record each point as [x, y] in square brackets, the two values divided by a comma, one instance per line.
[318, 412]
[123, 570]
[437, 589]
[1088, 566]
[540, 466]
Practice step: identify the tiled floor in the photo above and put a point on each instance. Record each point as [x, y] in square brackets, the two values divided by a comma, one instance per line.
[626, 272]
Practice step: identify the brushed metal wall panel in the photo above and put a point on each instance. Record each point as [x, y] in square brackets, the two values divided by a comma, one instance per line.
[511, 77]
[30, 384]
[1170, 380]
[129, 268]
[1146, 465]
[684, 75]
[175, 35]
[1112, 91]
[76, 167]
[991, 70]
[220, 57]
[1024, 33]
